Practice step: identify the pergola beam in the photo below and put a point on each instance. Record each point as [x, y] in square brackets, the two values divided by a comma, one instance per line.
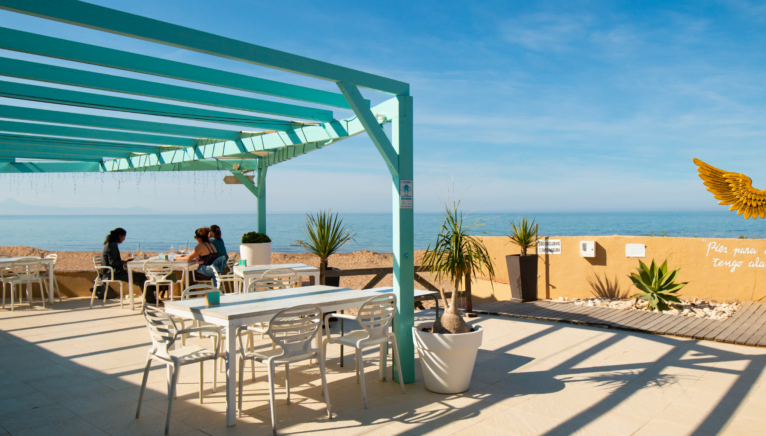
[50, 167]
[371, 125]
[67, 97]
[106, 82]
[108, 135]
[26, 42]
[21, 151]
[103, 122]
[135, 26]
[43, 142]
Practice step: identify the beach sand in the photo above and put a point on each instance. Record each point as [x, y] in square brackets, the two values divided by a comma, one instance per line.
[83, 261]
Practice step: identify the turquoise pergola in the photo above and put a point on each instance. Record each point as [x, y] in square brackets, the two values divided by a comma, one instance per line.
[54, 141]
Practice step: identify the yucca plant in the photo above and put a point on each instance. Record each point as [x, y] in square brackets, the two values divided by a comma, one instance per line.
[657, 284]
[524, 234]
[455, 253]
[325, 234]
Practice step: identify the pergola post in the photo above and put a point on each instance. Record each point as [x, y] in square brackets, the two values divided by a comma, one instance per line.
[261, 177]
[404, 262]
[258, 188]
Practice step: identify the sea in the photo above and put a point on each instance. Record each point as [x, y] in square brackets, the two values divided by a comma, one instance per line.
[372, 232]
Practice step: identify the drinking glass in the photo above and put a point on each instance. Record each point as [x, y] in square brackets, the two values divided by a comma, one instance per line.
[172, 250]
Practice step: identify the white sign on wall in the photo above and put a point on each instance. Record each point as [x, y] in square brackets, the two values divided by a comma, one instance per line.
[549, 246]
[635, 250]
[405, 194]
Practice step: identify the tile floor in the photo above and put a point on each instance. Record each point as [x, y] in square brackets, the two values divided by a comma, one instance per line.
[70, 370]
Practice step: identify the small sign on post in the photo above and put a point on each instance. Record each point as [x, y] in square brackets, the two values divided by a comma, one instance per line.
[405, 194]
[232, 180]
[549, 246]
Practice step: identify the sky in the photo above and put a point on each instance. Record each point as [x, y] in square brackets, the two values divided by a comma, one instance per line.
[519, 106]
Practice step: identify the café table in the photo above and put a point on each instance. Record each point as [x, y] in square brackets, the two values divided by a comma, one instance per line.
[177, 265]
[236, 310]
[6, 262]
[254, 272]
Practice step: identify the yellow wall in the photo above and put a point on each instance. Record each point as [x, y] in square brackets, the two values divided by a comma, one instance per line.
[707, 264]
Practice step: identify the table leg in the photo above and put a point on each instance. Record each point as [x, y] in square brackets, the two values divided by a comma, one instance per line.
[187, 273]
[300, 281]
[341, 346]
[50, 282]
[231, 376]
[130, 283]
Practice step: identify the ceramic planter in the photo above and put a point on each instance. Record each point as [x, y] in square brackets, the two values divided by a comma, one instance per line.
[522, 274]
[447, 360]
[256, 254]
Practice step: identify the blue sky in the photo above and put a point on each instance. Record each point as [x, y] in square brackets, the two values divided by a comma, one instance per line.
[524, 106]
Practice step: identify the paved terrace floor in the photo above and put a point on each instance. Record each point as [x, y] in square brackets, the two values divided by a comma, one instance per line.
[75, 371]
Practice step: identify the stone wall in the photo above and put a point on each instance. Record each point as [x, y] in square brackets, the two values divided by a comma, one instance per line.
[717, 269]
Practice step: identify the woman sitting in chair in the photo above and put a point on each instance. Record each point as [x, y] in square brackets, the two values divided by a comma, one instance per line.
[205, 252]
[215, 239]
[110, 256]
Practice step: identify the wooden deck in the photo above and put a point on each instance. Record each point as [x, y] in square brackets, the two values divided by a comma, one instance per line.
[746, 327]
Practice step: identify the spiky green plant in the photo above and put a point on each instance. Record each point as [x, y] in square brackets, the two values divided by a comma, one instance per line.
[455, 253]
[325, 234]
[657, 284]
[524, 234]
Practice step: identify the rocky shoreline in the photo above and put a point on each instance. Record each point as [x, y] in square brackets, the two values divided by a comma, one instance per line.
[694, 307]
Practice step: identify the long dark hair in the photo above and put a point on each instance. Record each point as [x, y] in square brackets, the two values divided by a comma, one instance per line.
[203, 233]
[114, 235]
[216, 231]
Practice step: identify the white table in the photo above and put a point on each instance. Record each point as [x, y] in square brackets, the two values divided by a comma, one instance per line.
[254, 272]
[177, 265]
[237, 310]
[6, 262]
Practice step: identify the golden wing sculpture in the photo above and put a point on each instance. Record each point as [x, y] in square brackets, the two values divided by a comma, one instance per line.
[733, 189]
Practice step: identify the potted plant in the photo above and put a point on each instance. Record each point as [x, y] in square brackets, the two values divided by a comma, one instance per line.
[522, 268]
[255, 248]
[325, 234]
[448, 346]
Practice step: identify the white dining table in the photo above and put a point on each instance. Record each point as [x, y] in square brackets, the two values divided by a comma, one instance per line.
[177, 265]
[6, 262]
[254, 272]
[236, 310]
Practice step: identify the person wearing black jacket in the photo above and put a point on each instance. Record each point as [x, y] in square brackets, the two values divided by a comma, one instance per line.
[110, 256]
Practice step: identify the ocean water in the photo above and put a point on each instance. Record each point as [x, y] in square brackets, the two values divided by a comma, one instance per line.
[373, 231]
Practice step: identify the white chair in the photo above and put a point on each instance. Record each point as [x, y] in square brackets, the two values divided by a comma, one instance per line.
[202, 291]
[44, 277]
[285, 277]
[26, 271]
[292, 330]
[164, 333]
[375, 317]
[157, 274]
[229, 277]
[98, 263]
[6, 275]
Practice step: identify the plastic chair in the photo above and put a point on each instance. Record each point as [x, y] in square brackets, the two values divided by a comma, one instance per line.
[164, 333]
[292, 330]
[229, 277]
[98, 263]
[202, 291]
[44, 276]
[157, 272]
[6, 275]
[287, 277]
[375, 317]
[26, 271]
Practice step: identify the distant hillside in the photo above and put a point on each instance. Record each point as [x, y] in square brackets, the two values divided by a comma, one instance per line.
[11, 206]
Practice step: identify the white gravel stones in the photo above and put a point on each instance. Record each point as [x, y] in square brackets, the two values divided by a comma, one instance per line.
[694, 307]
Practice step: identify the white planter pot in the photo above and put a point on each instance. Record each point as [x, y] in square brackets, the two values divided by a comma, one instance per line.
[256, 254]
[447, 360]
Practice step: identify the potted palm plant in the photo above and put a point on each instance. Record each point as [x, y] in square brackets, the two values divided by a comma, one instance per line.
[448, 346]
[325, 234]
[255, 248]
[522, 268]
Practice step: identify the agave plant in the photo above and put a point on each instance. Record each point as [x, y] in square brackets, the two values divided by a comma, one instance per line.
[325, 234]
[455, 253]
[656, 284]
[524, 234]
